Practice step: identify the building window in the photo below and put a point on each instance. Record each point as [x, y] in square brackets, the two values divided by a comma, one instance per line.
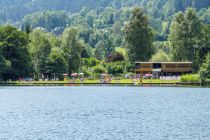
[157, 66]
[137, 66]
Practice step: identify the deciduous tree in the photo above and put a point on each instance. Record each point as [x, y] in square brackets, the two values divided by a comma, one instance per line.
[205, 69]
[185, 35]
[40, 48]
[139, 37]
[56, 62]
[15, 55]
[72, 48]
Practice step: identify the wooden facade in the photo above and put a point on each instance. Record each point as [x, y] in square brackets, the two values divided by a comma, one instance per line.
[163, 68]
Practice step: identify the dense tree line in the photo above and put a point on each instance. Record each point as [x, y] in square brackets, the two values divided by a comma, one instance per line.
[17, 9]
[105, 40]
[160, 12]
[97, 16]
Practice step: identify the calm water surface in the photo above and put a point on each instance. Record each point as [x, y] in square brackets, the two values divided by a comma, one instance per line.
[111, 113]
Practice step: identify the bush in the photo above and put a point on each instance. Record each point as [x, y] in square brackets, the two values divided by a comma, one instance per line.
[86, 72]
[191, 78]
[90, 62]
[116, 68]
[114, 57]
[99, 70]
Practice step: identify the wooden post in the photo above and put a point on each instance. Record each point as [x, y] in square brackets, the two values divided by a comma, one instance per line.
[141, 77]
[135, 75]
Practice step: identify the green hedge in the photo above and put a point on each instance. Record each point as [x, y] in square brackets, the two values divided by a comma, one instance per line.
[191, 78]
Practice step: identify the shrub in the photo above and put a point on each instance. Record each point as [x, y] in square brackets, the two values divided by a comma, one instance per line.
[90, 62]
[86, 72]
[191, 78]
[99, 70]
[116, 68]
[114, 57]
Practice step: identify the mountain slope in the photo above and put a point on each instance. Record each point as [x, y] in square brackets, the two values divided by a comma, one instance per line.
[15, 10]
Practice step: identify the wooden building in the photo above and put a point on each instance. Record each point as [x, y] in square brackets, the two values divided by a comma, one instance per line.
[158, 69]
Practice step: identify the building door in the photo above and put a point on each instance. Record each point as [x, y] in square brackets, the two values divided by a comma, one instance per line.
[156, 74]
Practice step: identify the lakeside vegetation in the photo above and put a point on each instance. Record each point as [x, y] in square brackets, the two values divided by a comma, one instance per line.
[97, 81]
[192, 78]
[106, 39]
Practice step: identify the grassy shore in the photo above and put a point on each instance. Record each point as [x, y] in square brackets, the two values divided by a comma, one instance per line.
[122, 81]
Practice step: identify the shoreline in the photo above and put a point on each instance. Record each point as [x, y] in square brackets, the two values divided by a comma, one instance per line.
[63, 83]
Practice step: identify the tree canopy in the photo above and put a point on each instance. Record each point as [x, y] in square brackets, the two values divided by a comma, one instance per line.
[61, 36]
[139, 37]
[14, 53]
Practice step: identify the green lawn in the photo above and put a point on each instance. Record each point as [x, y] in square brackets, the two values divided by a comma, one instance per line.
[122, 81]
[157, 81]
[97, 81]
[130, 81]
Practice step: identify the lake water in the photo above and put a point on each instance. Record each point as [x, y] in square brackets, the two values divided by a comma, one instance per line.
[107, 113]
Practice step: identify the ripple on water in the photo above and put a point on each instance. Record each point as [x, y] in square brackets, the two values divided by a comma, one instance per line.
[104, 113]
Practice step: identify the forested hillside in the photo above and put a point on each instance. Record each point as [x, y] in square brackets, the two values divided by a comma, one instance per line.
[100, 36]
[15, 10]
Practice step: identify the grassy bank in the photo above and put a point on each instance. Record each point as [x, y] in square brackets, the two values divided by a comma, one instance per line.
[122, 81]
